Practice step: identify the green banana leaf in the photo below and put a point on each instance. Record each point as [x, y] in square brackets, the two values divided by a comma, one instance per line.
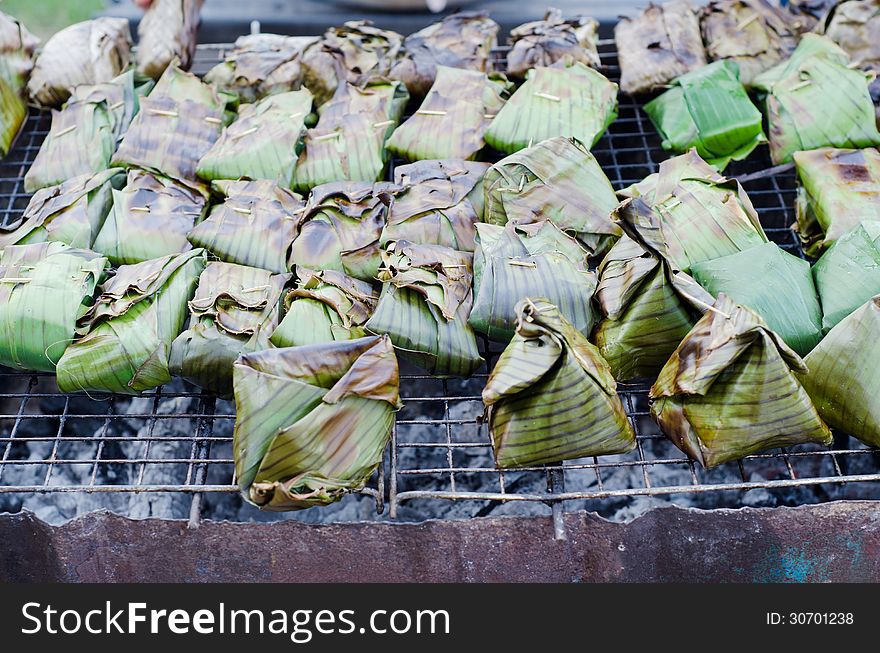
[439, 204]
[557, 180]
[730, 390]
[454, 117]
[542, 43]
[13, 112]
[815, 99]
[312, 422]
[324, 306]
[551, 396]
[17, 47]
[565, 99]
[127, 334]
[44, 289]
[853, 26]
[255, 225]
[708, 109]
[150, 218]
[72, 212]
[534, 260]
[167, 34]
[776, 285]
[424, 306]
[234, 311]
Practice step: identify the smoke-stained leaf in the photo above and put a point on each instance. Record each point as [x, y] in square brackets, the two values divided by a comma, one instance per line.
[544, 42]
[167, 33]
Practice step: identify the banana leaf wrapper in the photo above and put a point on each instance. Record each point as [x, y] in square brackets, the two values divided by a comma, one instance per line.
[557, 180]
[551, 396]
[814, 99]
[731, 390]
[44, 289]
[150, 218]
[17, 46]
[854, 25]
[127, 334]
[452, 120]
[461, 40]
[542, 43]
[325, 307]
[312, 422]
[13, 109]
[91, 52]
[774, 284]
[15, 37]
[534, 260]
[234, 311]
[563, 100]
[807, 14]
[262, 143]
[255, 225]
[167, 33]
[708, 109]
[72, 212]
[439, 204]
[424, 307]
[660, 44]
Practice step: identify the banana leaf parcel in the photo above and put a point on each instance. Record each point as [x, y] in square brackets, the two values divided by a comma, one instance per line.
[255, 225]
[534, 260]
[127, 334]
[660, 44]
[815, 99]
[234, 311]
[13, 108]
[854, 25]
[542, 43]
[557, 180]
[72, 212]
[454, 117]
[424, 306]
[44, 289]
[460, 40]
[708, 109]
[15, 37]
[313, 422]
[730, 390]
[570, 100]
[776, 285]
[807, 13]
[17, 47]
[91, 52]
[325, 306]
[167, 33]
[551, 396]
[150, 218]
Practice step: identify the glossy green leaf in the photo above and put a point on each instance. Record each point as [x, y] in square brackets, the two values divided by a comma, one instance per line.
[167, 36]
[542, 43]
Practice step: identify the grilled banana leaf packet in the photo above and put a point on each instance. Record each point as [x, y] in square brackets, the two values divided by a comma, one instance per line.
[452, 120]
[325, 307]
[44, 289]
[167, 33]
[853, 25]
[731, 390]
[13, 108]
[660, 44]
[312, 422]
[234, 311]
[807, 14]
[542, 43]
[424, 306]
[255, 225]
[533, 260]
[557, 180]
[127, 334]
[16, 39]
[551, 396]
[710, 110]
[17, 47]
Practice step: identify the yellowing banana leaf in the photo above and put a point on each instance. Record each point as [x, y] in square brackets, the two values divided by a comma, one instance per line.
[544, 42]
[127, 334]
[150, 218]
[424, 306]
[13, 112]
[312, 422]
[324, 306]
[562, 100]
[91, 52]
[557, 180]
[17, 46]
[551, 396]
[777, 286]
[255, 225]
[730, 390]
[660, 44]
[815, 99]
[534, 260]
[234, 311]
[71, 213]
[44, 289]
[853, 26]
[167, 33]
[452, 120]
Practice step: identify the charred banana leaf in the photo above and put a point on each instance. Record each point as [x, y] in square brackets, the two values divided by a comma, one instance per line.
[542, 43]
[808, 13]
[17, 47]
[854, 25]
[167, 33]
